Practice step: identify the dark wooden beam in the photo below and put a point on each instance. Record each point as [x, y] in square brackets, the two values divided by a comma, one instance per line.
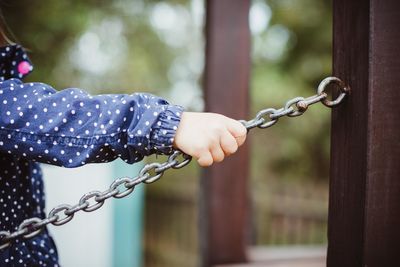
[364, 207]
[224, 198]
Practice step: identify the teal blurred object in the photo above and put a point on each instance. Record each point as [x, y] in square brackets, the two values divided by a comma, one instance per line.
[128, 220]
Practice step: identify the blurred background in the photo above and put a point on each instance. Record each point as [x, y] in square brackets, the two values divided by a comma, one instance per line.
[126, 46]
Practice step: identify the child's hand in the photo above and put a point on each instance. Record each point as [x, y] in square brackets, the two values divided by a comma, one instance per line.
[209, 137]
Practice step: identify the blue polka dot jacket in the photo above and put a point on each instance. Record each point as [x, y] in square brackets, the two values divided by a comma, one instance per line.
[68, 128]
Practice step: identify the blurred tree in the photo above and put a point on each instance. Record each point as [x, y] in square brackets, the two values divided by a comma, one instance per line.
[47, 28]
[103, 46]
[301, 149]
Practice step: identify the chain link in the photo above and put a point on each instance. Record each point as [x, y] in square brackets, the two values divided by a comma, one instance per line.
[298, 105]
[151, 172]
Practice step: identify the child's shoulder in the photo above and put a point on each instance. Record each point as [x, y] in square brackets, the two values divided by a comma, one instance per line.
[14, 62]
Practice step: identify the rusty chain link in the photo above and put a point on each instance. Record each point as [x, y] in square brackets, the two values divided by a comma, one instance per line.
[151, 172]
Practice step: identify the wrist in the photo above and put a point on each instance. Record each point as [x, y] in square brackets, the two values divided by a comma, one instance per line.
[165, 129]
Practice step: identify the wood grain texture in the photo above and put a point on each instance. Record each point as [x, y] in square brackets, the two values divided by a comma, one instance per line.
[364, 208]
[224, 196]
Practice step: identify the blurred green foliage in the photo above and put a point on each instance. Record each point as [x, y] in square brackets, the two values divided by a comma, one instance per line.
[297, 149]
[51, 29]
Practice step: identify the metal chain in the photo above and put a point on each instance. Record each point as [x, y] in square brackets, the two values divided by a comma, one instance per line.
[151, 172]
[297, 106]
[93, 200]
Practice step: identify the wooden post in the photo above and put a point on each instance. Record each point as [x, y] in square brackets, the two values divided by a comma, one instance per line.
[364, 206]
[224, 200]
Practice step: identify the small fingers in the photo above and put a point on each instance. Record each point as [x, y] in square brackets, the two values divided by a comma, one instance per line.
[228, 143]
[238, 131]
[205, 159]
[217, 153]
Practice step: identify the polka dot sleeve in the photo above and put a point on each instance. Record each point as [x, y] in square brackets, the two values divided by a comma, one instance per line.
[71, 128]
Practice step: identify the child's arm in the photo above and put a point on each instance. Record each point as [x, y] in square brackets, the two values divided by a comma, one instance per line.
[71, 128]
